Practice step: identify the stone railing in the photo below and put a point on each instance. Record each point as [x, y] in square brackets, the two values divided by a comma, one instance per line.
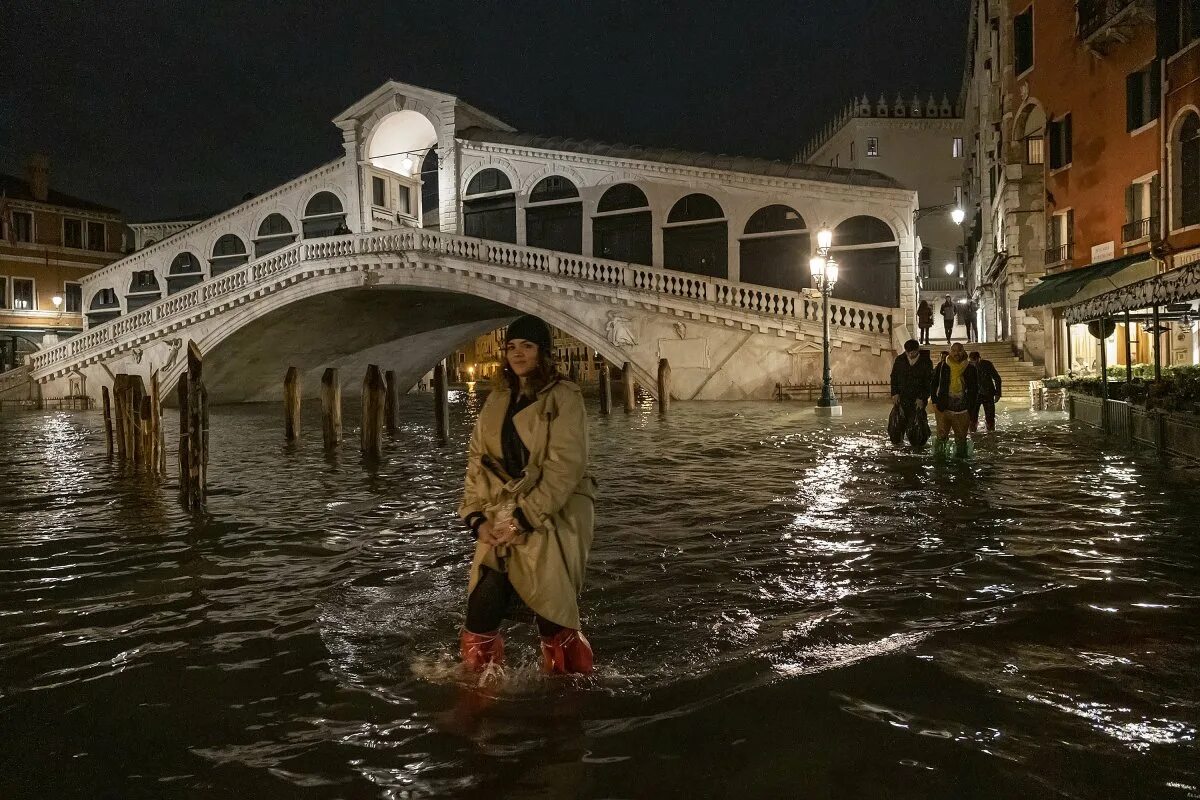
[18, 376]
[275, 268]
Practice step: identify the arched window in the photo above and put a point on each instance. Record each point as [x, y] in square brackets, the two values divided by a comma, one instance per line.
[696, 237]
[622, 228]
[868, 257]
[274, 232]
[185, 271]
[554, 216]
[323, 216]
[775, 249]
[143, 290]
[490, 207]
[1187, 182]
[103, 307]
[228, 253]
[431, 211]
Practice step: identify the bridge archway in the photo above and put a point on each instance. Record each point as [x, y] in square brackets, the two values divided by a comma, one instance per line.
[399, 140]
[696, 237]
[868, 251]
[775, 248]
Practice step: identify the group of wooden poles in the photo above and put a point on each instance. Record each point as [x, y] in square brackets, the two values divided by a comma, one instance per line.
[133, 418]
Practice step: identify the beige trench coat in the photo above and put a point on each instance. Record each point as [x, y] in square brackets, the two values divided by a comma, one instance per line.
[556, 494]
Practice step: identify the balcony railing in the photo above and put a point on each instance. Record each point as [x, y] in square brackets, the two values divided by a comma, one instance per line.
[1098, 16]
[1141, 229]
[1059, 253]
[943, 283]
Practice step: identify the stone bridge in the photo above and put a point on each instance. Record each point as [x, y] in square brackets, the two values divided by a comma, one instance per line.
[405, 298]
[440, 223]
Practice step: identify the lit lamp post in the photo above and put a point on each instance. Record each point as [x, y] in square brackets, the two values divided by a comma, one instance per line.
[825, 274]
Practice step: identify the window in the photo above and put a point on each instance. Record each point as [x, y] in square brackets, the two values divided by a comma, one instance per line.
[95, 236]
[1189, 171]
[957, 148]
[22, 222]
[851, 150]
[872, 146]
[378, 191]
[489, 180]
[1060, 237]
[833, 162]
[1060, 142]
[1141, 97]
[3, 292]
[404, 206]
[1035, 150]
[73, 297]
[1189, 23]
[958, 196]
[1141, 209]
[144, 281]
[23, 299]
[72, 233]
[1023, 41]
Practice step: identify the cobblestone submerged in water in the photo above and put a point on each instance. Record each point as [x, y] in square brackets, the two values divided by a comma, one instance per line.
[781, 606]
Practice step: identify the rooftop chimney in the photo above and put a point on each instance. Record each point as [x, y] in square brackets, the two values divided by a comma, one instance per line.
[37, 172]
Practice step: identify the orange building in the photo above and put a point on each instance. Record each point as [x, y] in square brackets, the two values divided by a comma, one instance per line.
[48, 242]
[1086, 90]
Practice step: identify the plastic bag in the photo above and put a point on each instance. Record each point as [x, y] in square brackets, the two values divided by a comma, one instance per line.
[896, 424]
[918, 428]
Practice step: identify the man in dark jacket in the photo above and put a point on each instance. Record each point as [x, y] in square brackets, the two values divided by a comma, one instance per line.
[911, 374]
[989, 391]
[948, 312]
[954, 389]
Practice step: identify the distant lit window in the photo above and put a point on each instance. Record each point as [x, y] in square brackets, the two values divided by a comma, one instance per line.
[872, 146]
[957, 148]
[23, 297]
[378, 191]
[22, 222]
[3, 292]
[72, 233]
[95, 236]
[1035, 150]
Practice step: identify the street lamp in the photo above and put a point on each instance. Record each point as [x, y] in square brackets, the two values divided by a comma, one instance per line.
[824, 271]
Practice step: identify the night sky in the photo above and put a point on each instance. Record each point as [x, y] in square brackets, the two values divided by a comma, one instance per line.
[171, 108]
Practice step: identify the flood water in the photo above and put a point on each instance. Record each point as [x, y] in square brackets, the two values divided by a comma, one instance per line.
[780, 606]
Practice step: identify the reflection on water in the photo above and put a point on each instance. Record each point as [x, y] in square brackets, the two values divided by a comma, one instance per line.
[781, 606]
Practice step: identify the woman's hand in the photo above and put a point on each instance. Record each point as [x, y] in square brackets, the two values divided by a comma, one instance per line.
[493, 536]
[487, 534]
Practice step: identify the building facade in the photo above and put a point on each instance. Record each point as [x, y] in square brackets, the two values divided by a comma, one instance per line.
[49, 243]
[921, 144]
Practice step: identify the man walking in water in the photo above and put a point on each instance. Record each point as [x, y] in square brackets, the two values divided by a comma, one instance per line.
[954, 388]
[989, 391]
[948, 313]
[911, 374]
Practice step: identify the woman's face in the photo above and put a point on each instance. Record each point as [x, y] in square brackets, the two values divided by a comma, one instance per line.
[522, 356]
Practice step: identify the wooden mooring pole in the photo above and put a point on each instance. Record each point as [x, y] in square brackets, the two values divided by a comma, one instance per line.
[108, 430]
[135, 446]
[605, 389]
[331, 408]
[160, 438]
[120, 392]
[630, 395]
[291, 405]
[373, 402]
[193, 432]
[664, 386]
[441, 402]
[389, 401]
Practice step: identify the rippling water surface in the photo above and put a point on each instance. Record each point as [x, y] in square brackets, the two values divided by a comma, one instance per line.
[780, 606]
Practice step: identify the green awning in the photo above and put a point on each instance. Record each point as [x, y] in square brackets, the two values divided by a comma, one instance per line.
[1080, 284]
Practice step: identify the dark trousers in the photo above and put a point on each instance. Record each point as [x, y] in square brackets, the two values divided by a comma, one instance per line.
[491, 601]
[972, 330]
[989, 411]
[949, 330]
[925, 334]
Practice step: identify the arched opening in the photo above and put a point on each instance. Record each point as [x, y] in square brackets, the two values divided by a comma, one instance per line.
[696, 237]
[1185, 183]
[622, 229]
[554, 216]
[143, 290]
[323, 216]
[1029, 133]
[103, 307]
[274, 232]
[775, 249]
[185, 271]
[868, 255]
[490, 207]
[398, 151]
[228, 253]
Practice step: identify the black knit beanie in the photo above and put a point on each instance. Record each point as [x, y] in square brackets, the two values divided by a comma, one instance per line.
[531, 329]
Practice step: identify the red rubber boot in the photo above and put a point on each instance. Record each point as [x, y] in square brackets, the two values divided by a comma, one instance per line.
[480, 649]
[566, 652]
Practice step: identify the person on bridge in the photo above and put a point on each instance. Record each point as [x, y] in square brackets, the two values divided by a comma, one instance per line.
[924, 320]
[948, 312]
[989, 391]
[912, 372]
[528, 499]
[954, 389]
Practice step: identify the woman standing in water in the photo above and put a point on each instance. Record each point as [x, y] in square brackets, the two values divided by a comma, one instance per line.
[528, 500]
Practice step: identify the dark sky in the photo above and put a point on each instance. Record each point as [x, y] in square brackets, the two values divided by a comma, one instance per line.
[178, 106]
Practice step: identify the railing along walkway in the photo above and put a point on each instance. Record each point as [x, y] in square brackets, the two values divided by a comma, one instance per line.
[270, 270]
